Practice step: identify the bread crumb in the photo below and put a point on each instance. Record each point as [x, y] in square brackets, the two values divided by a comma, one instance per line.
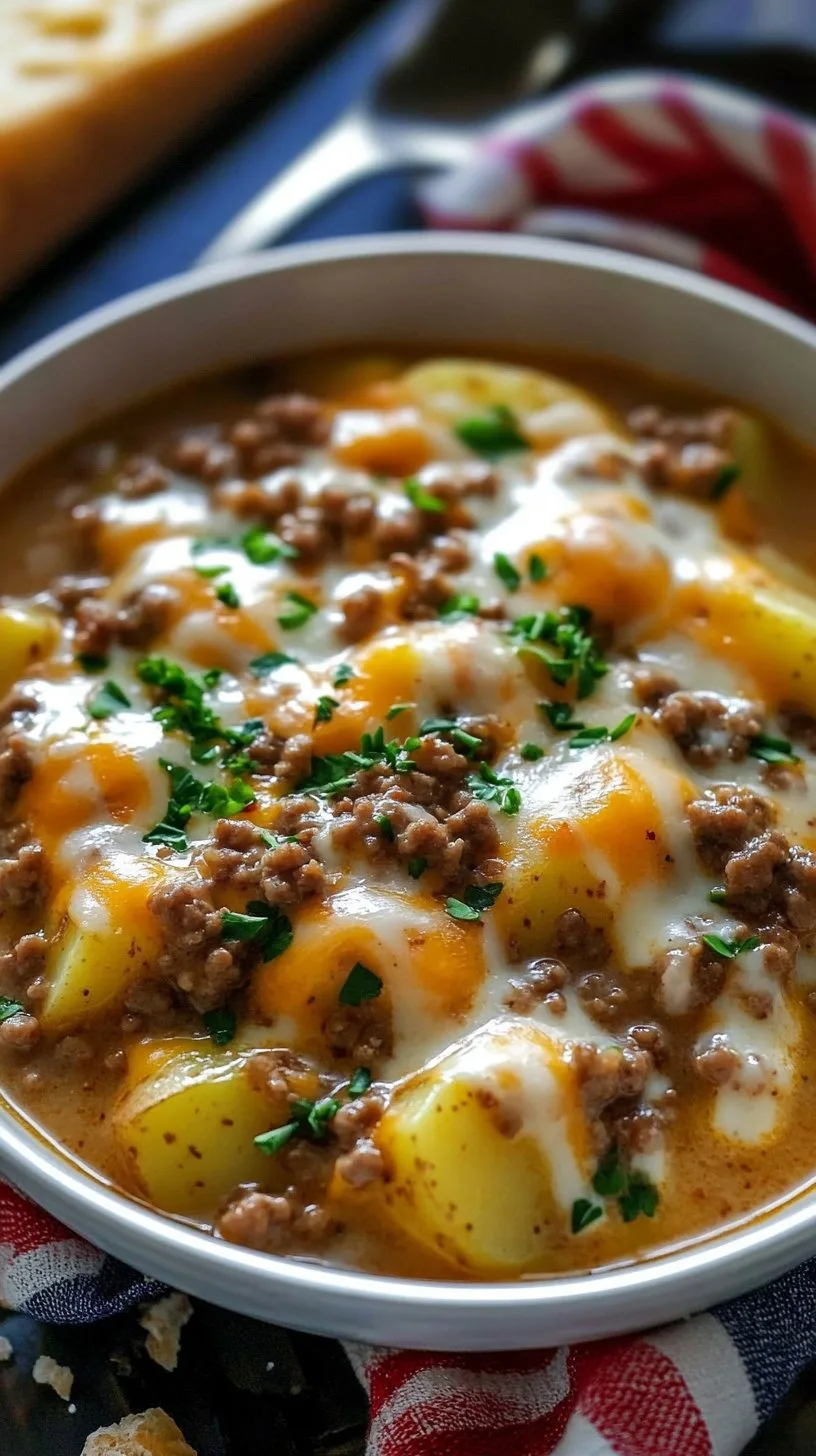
[164, 1322]
[6, 1349]
[150, 1433]
[60, 1377]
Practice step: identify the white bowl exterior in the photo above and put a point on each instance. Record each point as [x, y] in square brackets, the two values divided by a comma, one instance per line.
[467, 293]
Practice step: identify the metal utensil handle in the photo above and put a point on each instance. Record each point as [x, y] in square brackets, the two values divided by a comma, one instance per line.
[352, 149]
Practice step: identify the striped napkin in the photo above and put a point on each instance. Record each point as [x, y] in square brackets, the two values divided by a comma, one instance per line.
[700, 175]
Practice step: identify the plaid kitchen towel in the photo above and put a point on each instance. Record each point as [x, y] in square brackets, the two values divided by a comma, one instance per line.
[695, 174]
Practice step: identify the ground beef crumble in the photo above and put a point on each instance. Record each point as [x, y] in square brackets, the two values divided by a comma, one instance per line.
[683, 453]
[194, 958]
[141, 618]
[707, 727]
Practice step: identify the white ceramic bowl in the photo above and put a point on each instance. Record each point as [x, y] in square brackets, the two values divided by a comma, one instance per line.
[465, 292]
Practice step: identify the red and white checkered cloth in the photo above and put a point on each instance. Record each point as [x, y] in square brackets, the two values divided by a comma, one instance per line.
[702, 176]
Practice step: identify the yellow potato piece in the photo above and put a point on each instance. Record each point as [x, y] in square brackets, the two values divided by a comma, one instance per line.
[185, 1123]
[89, 967]
[27, 634]
[585, 834]
[487, 1150]
[547, 409]
[760, 625]
[150, 1433]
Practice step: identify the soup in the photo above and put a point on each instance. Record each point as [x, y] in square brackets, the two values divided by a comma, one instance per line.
[407, 778]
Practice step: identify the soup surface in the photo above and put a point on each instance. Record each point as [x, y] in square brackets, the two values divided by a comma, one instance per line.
[408, 814]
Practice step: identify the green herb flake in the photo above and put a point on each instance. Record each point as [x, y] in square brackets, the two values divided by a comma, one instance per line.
[610, 1179]
[209, 573]
[107, 701]
[476, 898]
[272, 1142]
[324, 709]
[456, 608]
[269, 662]
[361, 984]
[640, 1196]
[728, 949]
[508, 574]
[421, 498]
[493, 788]
[567, 630]
[724, 481]
[772, 750]
[537, 568]
[92, 661]
[9, 1008]
[264, 925]
[170, 835]
[262, 547]
[344, 674]
[584, 1213]
[492, 434]
[531, 752]
[385, 826]
[397, 708]
[718, 895]
[360, 1082]
[227, 595]
[417, 867]
[221, 1025]
[587, 737]
[560, 716]
[298, 611]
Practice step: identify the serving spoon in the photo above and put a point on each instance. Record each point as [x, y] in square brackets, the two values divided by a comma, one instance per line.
[454, 65]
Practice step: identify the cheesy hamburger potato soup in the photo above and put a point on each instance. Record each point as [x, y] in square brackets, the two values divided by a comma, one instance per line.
[408, 791]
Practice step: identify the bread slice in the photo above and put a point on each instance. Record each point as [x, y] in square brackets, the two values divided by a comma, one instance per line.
[152, 1433]
[94, 92]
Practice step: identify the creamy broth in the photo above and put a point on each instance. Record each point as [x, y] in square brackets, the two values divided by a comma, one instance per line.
[409, 811]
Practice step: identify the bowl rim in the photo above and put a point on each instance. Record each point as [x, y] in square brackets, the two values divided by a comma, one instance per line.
[66, 1188]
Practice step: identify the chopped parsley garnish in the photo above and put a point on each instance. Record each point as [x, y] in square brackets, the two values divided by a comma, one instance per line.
[209, 543]
[560, 716]
[495, 788]
[324, 709]
[184, 709]
[188, 796]
[361, 984]
[417, 867]
[344, 674]
[475, 899]
[725, 479]
[566, 630]
[508, 574]
[310, 1120]
[227, 594]
[467, 743]
[92, 661]
[385, 826]
[360, 1082]
[491, 434]
[422, 498]
[275, 841]
[209, 573]
[584, 1213]
[397, 708]
[633, 1191]
[456, 608]
[270, 661]
[730, 948]
[335, 773]
[262, 547]
[531, 752]
[221, 1025]
[107, 700]
[9, 1008]
[586, 737]
[298, 611]
[772, 750]
[265, 925]
[718, 895]
[537, 567]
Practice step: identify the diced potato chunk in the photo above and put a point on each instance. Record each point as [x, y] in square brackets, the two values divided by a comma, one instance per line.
[150, 1433]
[585, 833]
[26, 634]
[185, 1123]
[548, 409]
[487, 1150]
[737, 610]
[107, 940]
